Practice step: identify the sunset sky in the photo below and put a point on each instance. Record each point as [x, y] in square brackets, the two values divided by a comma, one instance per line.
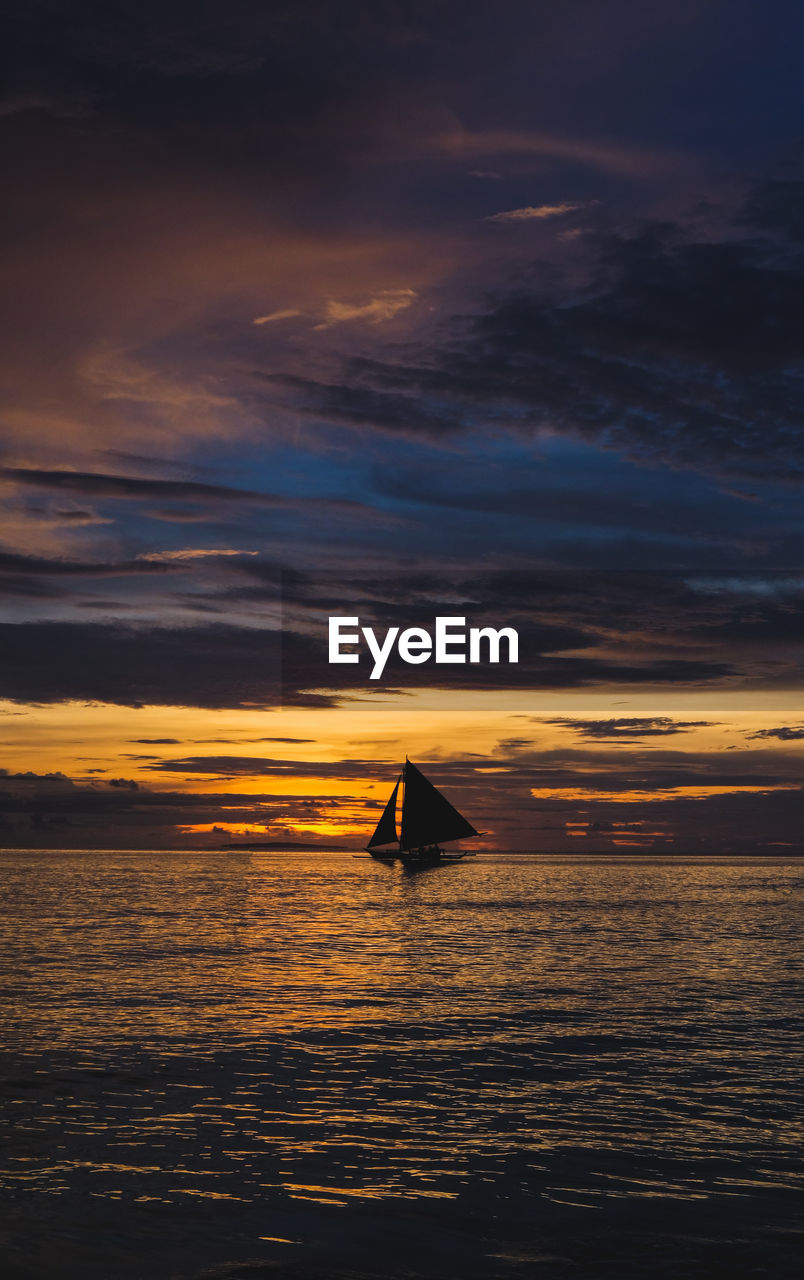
[396, 310]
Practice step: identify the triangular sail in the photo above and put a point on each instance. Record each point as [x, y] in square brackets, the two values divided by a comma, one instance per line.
[427, 817]
[385, 832]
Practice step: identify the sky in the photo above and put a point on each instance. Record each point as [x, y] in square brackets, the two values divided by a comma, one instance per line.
[398, 310]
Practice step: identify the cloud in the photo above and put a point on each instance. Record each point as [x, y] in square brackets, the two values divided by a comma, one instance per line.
[116, 486]
[626, 160]
[580, 629]
[785, 733]
[222, 666]
[193, 553]
[130, 666]
[137, 489]
[366, 406]
[535, 212]
[75, 516]
[383, 306]
[155, 742]
[673, 350]
[46, 104]
[153, 42]
[294, 741]
[249, 766]
[588, 770]
[297, 170]
[19, 586]
[179, 515]
[27, 566]
[684, 801]
[633, 728]
[702, 518]
[54, 810]
[747, 585]
[287, 314]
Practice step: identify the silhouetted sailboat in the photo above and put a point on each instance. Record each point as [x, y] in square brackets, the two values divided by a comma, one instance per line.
[427, 821]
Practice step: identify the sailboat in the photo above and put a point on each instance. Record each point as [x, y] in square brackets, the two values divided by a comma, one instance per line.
[427, 821]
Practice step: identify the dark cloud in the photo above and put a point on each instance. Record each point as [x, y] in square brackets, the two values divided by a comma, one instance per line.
[364, 406]
[179, 515]
[575, 630]
[176, 39]
[669, 518]
[219, 666]
[57, 779]
[17, 584]
[777, 204]
[26, 567]
[577, 786]
[291, 741]
[675, 350]
[555, 652]
[587, 770]
[53, 810]
[78, 515]
[43, 578]
[589, 622]
[785, 733]
[133, 487]
[292, 89]
[96, 484]
[222, 742]
[248, 766]
[629, 728]
[206, 667]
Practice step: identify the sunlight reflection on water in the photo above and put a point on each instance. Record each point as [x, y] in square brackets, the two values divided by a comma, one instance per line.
[263, 1029]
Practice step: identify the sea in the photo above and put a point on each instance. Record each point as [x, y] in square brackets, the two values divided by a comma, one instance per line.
[231, 1066]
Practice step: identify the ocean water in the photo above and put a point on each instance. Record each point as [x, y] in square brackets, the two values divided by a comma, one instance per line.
[250, 1065]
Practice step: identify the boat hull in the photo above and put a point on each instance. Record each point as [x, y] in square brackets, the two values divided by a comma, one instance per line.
[428, 857]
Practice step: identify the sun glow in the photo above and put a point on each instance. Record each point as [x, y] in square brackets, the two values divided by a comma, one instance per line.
[178, 774]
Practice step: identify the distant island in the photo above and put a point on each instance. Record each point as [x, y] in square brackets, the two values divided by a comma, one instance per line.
[277, 846]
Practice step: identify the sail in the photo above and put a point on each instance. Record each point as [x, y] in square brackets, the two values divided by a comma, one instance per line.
[385, 832]
[427, 818]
